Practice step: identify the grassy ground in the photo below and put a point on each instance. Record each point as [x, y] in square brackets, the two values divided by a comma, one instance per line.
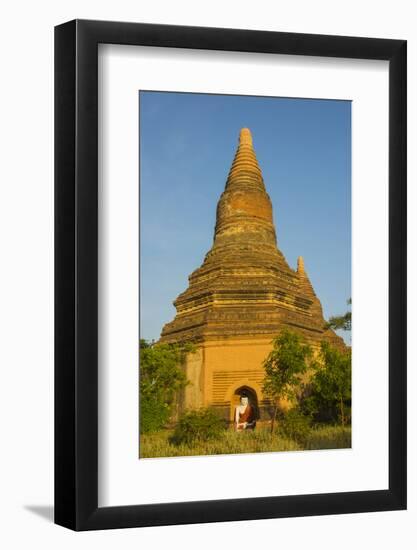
[257, 441]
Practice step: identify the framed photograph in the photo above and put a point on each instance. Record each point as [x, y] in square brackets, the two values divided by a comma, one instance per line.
[230, 253]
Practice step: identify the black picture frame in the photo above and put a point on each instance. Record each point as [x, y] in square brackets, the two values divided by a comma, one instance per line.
[76, 273]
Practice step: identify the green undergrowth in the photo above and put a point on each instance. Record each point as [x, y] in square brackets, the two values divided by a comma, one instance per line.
[162, 443]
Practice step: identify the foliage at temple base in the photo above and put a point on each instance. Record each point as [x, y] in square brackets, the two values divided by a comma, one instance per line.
[284, 369]
[329, 392]
[161, 379]
[197, 426]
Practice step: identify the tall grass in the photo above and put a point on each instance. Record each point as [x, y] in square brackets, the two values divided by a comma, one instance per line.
[256, 441]
[329, 437]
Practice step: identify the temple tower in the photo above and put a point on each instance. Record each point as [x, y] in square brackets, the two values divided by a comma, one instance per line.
[243, 294]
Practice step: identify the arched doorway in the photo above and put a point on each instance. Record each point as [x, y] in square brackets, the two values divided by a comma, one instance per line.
[250, 393]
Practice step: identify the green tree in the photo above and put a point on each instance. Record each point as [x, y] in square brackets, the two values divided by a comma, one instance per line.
[342, 322]
[284, 368]
[161, 377]
[331, 385]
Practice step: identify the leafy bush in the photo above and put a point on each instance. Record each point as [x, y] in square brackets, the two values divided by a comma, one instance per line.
[161, 379]
[198, 425]
[295, 425]
[153, 415]
[328, 397]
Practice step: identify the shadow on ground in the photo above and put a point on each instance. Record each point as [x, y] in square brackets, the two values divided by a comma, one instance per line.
[45, 512]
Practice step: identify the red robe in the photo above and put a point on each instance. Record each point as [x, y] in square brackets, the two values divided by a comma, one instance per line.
[247, 415]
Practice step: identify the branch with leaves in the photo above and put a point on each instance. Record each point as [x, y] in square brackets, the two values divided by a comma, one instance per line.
[341, 322]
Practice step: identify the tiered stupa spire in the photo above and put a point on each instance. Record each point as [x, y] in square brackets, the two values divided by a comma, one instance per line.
[245, 169]
[244, 212]
[245, 286]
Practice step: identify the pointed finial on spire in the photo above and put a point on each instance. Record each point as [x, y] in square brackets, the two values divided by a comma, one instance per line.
[300, 266]
[245, 137]
[245, 170]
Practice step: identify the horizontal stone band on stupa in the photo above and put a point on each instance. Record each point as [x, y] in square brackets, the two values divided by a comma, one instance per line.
[245, 287]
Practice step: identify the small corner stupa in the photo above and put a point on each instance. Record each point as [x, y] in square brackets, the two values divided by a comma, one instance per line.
[242, 296]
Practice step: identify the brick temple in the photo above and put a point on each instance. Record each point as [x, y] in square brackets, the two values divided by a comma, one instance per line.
[242, 296]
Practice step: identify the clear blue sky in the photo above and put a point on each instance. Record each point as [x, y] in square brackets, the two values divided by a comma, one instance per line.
[187, 144]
